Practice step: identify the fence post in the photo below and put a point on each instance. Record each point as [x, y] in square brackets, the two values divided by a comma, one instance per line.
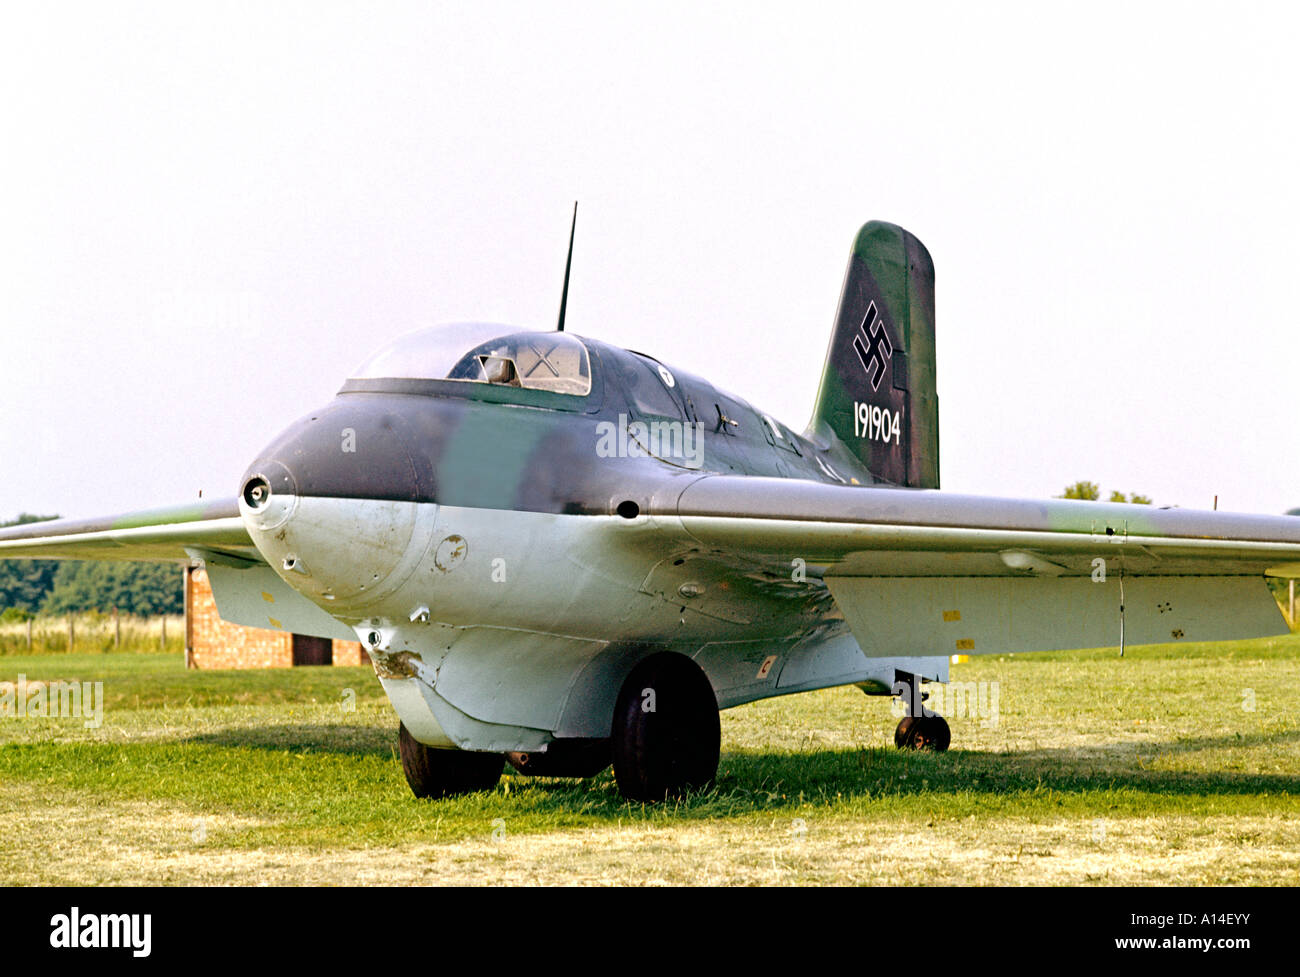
[162, 641]
[72, 632]
[1292, 589]
[117, 630]
[29, 634]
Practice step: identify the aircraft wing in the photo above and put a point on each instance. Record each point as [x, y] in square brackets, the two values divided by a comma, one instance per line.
[919, 572]
[211, 530]
[247, 591]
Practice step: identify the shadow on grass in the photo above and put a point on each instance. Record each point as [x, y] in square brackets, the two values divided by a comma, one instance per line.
[764, 781]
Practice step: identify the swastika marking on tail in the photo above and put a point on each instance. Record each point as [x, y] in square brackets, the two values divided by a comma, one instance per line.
[873, 346]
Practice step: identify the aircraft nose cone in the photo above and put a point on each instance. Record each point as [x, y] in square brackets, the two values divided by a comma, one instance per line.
[334, 504]
[345, 450]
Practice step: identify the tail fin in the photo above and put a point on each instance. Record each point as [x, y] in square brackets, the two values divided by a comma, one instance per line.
[877, 393]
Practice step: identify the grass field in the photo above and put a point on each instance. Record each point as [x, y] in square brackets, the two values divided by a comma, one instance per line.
[1173, 765]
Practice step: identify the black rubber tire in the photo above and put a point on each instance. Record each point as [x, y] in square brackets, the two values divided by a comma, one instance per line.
[673, 749]
[923, 733]
[445, 773]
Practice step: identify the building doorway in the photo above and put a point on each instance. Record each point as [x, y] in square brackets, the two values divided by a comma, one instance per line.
[308, 650]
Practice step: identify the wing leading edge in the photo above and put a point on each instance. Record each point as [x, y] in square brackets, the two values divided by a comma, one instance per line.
[870, 531]
[210, 530]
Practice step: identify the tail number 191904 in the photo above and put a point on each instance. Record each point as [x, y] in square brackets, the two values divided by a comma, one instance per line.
[877, 423]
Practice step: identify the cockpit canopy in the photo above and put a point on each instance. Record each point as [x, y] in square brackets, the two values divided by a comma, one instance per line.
[479, 352]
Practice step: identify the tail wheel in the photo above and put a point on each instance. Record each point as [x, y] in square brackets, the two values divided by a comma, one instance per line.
[923, 733]
[666, 735]
[445, 773]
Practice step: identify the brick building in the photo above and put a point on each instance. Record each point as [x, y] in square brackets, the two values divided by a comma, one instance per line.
[211, 642]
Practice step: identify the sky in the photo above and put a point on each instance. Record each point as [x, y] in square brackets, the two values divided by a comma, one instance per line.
[211, 213]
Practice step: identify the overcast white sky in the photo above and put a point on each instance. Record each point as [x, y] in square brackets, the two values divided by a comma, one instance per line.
[210, 213]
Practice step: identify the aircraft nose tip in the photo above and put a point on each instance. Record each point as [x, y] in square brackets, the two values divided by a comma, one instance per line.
[269, 495]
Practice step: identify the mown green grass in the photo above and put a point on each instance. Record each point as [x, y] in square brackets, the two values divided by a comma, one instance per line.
[1181, 759]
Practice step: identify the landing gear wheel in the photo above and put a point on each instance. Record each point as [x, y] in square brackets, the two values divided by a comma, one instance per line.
[923, 733]
[445, 773]
[666, 734]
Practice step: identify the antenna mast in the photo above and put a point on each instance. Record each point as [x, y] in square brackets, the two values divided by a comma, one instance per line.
[564, 295]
